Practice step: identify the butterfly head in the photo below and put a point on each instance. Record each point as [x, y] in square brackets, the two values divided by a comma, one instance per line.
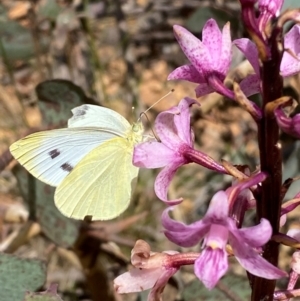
[137, 131]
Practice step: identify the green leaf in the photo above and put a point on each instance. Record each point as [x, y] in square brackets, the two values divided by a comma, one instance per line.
[63, 231]
[49, 295]
[16, 40]
[56, 100]
[230, 285]
[49, 9]
[18, 275]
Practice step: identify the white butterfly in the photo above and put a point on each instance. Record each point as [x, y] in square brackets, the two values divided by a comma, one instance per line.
[90, 162]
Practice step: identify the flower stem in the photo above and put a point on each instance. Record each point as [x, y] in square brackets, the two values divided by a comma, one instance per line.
[269, 204]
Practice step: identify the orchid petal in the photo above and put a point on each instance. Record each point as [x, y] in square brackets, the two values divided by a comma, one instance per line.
[155, 293]
[283, 121]
[164, 178]
[218, 208]
[182, 121]
[187, 72]
[288, 125]
[203, 89]
[136, 280]
[211, 266]
[193, 48]
[256, 236]
[212, 39]
[289, 64]
[173, 126]
[249, 49]
[181, 234]
[294, 233]
[250, 85]
[271, 7]
[166, 129]
[253, 262]
[146, 155]
[226, 53]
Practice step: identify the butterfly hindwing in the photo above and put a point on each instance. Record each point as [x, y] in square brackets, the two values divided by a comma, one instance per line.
[51, 155]
[101, 184]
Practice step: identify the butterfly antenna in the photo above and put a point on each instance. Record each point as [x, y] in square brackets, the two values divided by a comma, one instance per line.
[155, 136]
[144, 113]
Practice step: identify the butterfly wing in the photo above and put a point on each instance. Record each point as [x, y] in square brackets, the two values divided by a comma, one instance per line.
[101, 184]
[100, 117]
[51, 155]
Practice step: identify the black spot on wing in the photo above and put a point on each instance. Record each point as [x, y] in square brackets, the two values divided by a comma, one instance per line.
[66, 167]
[54, 153]
[81, 111]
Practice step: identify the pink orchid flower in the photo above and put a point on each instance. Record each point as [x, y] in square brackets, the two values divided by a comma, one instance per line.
[289, 125]
[257, 23]
[251, 84]
[210, 60]
[268, 10]
[216, 229]
[175, 149]
[290, 64]
[151, 271]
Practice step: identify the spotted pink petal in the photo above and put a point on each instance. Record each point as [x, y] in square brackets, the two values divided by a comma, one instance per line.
[212, 39]
[152, 155]
[163, 180]
[211, 266]
[248, 48]
[193, 48]
[187, 72]
[226, 53]
[289, 64]
[253, 262]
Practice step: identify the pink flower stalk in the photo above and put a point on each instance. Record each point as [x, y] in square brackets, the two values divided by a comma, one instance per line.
[175, 149]
[151, 271]
[216, 228]
[289, 125]
[210, 58]
[290, 64]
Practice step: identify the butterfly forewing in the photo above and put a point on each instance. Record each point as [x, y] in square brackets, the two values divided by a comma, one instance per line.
[101, 184]
[100, 117]
[51, 155]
